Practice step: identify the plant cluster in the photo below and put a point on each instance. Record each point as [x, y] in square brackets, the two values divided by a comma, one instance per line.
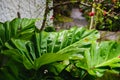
[29, 54]
[101, 14]
[105, 13]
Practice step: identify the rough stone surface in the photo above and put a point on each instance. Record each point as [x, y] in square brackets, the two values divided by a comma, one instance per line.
[107, 35]
[26, 8]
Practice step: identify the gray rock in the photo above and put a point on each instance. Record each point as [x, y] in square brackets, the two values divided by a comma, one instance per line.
[78, 20]
[107, 35]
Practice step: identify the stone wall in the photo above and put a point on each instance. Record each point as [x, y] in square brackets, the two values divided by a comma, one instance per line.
[9, 9]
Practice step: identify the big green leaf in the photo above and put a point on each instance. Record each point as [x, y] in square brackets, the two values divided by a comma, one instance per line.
[101, 57]
[60, 40]
[17, 28]
[67, 44]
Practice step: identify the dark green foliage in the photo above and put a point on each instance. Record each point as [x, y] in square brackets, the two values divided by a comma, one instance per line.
[66, 55]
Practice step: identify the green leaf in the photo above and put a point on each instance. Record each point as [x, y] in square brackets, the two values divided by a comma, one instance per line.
[69, 44]
[50, 58]
[100, 57]
[63, 39]
[33, 49]
[17, 28]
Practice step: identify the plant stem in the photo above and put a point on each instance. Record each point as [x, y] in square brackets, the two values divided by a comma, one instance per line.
[45, 15]
[92, 19]
[84, 75]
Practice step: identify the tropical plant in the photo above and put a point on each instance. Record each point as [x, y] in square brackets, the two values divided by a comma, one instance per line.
[23, 43]
[101, 57]
[27, 53]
